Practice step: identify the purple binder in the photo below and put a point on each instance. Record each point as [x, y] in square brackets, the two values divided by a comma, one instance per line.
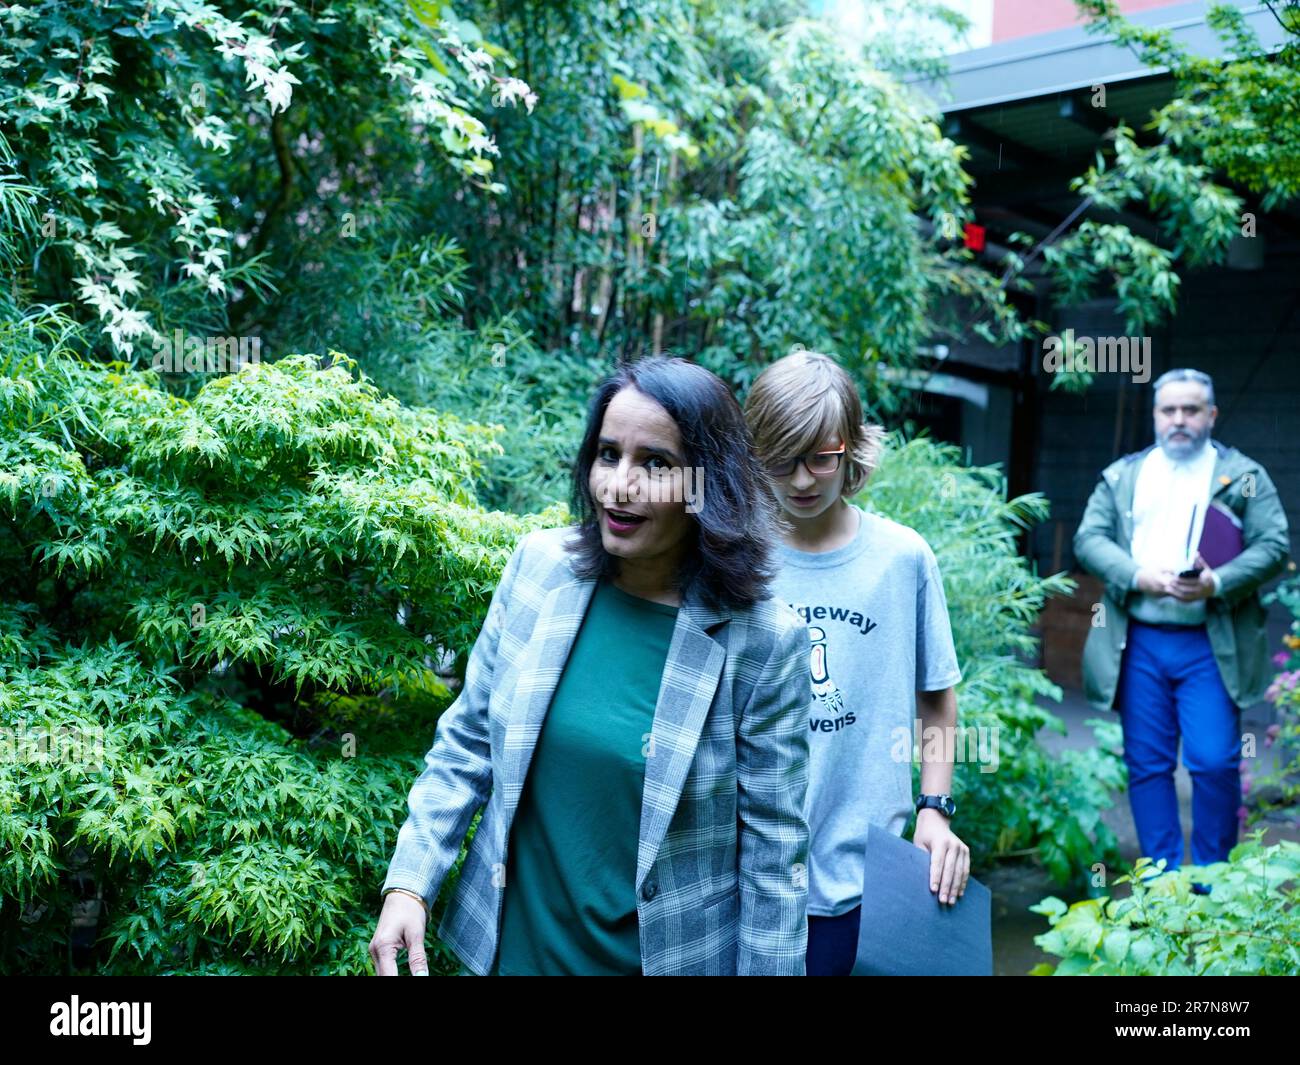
[1221, 539]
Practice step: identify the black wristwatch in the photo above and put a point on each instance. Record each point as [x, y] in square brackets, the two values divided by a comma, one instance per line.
[942, 803]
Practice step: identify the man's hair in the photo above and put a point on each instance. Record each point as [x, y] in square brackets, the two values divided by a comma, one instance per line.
[800, 400]
[1172, 376]
[729, 555]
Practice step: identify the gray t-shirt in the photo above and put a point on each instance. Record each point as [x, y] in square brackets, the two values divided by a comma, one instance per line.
[878, 621]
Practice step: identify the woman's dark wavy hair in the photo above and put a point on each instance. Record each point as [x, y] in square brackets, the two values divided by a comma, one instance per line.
[729, 558]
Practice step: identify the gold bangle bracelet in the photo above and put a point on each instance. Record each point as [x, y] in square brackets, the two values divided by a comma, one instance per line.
[424, 905]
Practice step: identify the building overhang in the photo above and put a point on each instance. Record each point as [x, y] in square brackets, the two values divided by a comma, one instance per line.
[1072, 59]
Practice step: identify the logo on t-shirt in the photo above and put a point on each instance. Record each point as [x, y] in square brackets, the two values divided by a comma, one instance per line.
[828, 712]
[829, 697]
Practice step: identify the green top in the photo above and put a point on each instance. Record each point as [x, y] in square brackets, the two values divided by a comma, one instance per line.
[570, 899]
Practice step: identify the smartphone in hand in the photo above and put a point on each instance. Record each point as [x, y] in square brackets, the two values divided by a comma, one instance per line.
[1190, 574]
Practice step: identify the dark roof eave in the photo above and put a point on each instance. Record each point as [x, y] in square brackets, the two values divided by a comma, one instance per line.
[1070, 59]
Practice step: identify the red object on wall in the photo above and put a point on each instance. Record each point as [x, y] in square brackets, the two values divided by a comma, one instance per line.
[973, 237]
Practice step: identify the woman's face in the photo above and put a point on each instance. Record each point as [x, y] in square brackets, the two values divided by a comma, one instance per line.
[636, 480]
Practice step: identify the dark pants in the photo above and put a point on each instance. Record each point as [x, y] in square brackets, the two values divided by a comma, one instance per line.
[1169, 687]
[833, 943]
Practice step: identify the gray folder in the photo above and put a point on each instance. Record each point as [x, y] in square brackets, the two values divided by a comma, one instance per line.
[906, 930]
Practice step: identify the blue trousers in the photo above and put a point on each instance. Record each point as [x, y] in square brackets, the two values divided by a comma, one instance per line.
[833, 943]
[1169, 686]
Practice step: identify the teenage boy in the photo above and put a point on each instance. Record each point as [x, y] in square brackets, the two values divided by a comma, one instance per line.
[882, 650]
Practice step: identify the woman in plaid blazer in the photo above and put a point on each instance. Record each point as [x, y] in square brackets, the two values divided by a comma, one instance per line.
[702, 870]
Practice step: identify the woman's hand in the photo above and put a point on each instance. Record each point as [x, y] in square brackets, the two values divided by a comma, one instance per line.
[401, 924]
[949, 856]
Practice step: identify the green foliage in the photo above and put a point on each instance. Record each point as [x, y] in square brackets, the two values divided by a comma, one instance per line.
[1027, 800]
[1234, 116]
[134, 122]
[399, 315]
[230, 608]
[1248, 924]
[687, 175]
[1231, 122]
[692, 176]
[702, 178]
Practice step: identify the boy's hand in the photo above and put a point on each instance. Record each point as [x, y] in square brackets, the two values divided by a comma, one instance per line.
[949, 856]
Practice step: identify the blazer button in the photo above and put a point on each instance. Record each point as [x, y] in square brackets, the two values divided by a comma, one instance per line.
[649, 890]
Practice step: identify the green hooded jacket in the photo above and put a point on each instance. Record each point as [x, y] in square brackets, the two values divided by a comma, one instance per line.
[1235, 617]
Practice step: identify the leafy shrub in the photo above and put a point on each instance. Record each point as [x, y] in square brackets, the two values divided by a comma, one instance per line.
[229, 608]
[1248, 924]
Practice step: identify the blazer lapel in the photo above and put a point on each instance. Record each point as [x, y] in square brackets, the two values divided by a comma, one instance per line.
[553, 634]
[690, 679]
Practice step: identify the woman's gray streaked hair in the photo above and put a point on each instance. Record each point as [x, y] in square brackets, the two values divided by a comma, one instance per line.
[1170, 376]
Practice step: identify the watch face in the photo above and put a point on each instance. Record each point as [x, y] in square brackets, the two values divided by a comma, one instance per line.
[949, 807]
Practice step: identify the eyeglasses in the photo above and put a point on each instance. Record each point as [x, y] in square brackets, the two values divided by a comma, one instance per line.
[819, 464]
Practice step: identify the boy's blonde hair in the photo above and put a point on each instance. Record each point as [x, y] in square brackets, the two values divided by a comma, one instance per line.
[800, 400]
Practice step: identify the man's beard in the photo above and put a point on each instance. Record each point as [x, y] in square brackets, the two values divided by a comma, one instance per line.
[1180, 447]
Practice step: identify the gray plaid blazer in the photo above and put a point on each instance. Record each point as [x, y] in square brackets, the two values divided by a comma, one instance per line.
[721, 879]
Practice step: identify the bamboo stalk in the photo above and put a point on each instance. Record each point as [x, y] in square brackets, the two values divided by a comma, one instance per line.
[658, 331]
